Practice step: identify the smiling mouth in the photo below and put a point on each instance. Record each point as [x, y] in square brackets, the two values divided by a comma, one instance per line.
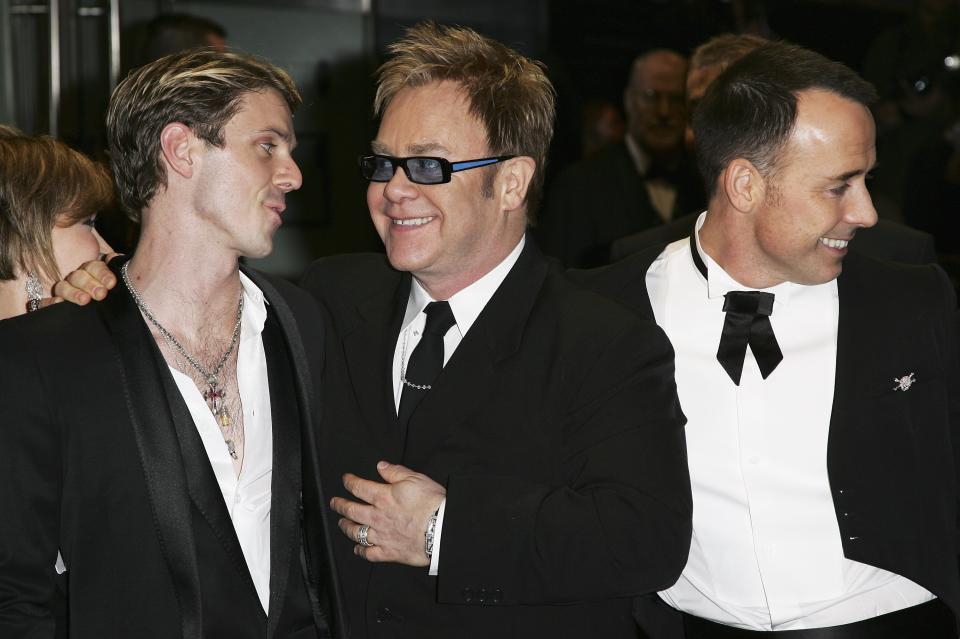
[834, 244]
[412, 221]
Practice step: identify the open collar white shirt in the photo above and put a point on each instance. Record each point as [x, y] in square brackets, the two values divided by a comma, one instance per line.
[466, 305]
[766, 552]
[247, 496]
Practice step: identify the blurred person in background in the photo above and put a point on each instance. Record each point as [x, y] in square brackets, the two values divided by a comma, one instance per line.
[49, 197]
[886, 240]
[642, 182]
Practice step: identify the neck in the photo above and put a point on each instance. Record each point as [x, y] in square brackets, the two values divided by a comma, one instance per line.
[443, 286]
[732, 246]
[189, 288]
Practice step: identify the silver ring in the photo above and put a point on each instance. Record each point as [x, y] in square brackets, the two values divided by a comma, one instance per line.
[362, 536]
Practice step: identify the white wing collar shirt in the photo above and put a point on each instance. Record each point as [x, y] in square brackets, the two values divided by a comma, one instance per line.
[246, 496]
[766, 552]
[466, 305]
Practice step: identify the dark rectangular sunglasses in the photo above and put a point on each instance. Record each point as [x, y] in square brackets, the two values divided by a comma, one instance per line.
[419, 169]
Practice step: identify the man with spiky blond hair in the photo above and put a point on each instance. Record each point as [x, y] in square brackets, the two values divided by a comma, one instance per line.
[169, 454]
[540, 421]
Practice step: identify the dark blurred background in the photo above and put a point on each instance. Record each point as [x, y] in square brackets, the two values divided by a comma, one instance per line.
[60, 58]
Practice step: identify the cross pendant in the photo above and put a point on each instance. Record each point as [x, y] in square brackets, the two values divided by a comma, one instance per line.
[231, 448]
[213, 396]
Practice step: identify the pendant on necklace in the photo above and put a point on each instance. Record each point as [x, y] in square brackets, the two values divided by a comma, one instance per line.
[224, 417]
[214, 396]
[232, 449]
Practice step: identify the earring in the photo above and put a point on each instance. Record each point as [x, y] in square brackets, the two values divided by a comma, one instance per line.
[34, 293]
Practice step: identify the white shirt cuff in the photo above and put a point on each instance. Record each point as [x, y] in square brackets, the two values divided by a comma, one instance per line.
[435, 558]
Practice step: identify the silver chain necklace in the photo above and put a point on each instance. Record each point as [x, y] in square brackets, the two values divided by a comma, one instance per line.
[214, 395]
[403, 366]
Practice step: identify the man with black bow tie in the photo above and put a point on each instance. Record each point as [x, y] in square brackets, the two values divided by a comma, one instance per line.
[821, 388]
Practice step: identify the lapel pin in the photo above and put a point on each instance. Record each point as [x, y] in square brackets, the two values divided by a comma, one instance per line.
[904, 383]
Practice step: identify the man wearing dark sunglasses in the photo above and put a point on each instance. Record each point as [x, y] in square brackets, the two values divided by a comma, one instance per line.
[542, 420]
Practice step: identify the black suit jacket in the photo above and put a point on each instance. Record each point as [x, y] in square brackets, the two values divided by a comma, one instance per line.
[100, 458]
[601, 199]
[556, 430]
[892, 455]
[884, 241]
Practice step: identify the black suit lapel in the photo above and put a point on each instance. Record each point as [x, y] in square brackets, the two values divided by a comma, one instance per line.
[285, 486]
[471, 373]
[143, 370]
[295, 450]
[370, 348]
[856, 343]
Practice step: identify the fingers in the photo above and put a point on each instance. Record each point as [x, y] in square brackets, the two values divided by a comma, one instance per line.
[361, 513]
[351, 531]
[90, 281]
[393, 473]
[369, 491]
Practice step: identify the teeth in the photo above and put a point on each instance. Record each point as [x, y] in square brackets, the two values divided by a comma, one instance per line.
[414, 221]
[832, 243]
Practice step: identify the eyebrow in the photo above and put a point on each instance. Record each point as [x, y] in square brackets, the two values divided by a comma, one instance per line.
[414, 149]
[843, 177]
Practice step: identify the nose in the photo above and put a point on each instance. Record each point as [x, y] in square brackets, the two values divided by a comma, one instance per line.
[399, 187]
[287, 176]
[861, 211]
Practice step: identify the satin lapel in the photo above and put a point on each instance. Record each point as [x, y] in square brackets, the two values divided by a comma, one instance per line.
[285, 486]
[471, 373]
[855, 342]
[142, 369]
[289, 457]
[369, 355]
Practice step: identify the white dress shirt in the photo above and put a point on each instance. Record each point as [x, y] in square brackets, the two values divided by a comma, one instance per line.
[466, 304]
[246, 496]
[766, 552]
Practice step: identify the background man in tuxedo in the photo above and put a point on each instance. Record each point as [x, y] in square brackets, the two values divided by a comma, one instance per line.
[642, 182]
[542, 418]
[886, 240]
[168, 451]
[822, 457]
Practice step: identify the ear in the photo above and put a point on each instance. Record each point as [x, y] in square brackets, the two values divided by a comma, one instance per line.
[742, 185]
[514, 180]
[176, 145]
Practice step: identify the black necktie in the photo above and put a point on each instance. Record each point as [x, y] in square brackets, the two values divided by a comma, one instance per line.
[747, 323]
[426, 360]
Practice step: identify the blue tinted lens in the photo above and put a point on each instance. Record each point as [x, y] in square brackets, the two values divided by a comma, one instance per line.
[425, 170]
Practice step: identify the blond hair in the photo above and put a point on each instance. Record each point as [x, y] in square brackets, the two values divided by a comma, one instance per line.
[509, 94]
[43, 183]
[202, 89]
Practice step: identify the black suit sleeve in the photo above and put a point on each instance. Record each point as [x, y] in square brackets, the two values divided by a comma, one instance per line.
[29, 494]
[619, 524]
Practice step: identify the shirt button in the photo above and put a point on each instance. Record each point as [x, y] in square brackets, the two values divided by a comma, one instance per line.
[754, 460]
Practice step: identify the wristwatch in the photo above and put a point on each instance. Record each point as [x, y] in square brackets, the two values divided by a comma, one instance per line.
[428, 536]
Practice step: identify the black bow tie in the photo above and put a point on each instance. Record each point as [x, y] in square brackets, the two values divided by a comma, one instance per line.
[747, 323]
